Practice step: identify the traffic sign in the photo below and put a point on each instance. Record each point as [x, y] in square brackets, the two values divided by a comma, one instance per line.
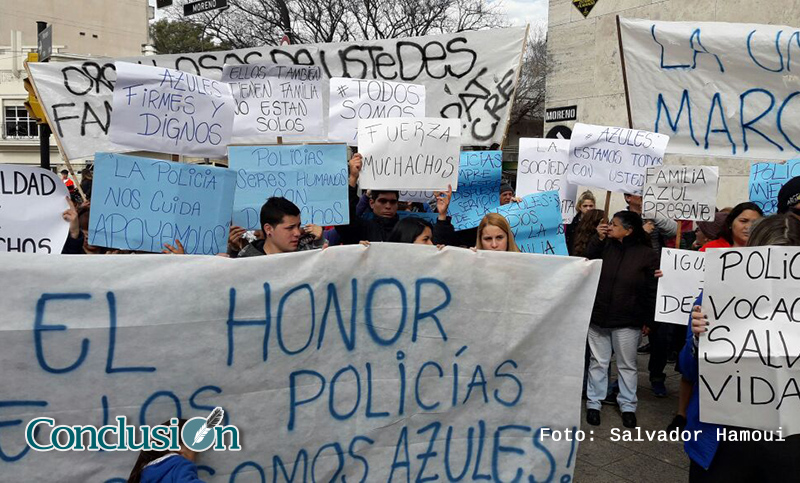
[45, 44]
[204, 6]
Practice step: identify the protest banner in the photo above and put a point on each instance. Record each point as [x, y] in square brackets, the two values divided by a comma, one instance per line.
[681, 284]
[419, 196]
[749, 358]
[274, 100]
[430, 217]
[314, 177]
[613, 158]
[766, 181]
[371, 364]
[468, 75]
[32, 200]
[681, 193]
[543, 167]
[717, 89]
[354, 99]
[170, 111]
[479, 174]
[536, 223]
[418, 154]
[141, 204]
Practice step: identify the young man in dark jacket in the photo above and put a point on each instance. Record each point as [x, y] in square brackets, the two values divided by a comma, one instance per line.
[384, 206]
[280, 220]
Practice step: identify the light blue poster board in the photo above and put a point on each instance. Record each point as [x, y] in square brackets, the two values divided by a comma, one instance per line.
[479, 175]
[431, 218]
[767, 179]
[314, 177]
[536, 223]
[143, 203]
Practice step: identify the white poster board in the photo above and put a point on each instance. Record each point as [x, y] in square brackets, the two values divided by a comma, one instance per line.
[32, 200]
[681, 284]
[275, 100]
[543, 167]
[613, 158]
[749, 358]
[354, 99]
[409, 154]
[467, 75]
[717, 89]
[681, 193]
[170, 111]
[399, 358]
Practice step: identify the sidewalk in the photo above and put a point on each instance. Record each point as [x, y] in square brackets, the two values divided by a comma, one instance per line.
[605, 461]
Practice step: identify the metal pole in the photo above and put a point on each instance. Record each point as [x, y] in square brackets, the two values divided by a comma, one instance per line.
[44, 128]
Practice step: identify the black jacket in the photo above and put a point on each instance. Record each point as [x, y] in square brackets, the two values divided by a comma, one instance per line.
[626, 294]
[378, 228]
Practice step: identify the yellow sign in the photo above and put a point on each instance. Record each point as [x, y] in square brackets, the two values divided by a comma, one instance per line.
[32, 104]
[585, 6]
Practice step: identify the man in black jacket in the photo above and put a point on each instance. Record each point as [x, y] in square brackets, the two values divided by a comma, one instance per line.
[383, 204]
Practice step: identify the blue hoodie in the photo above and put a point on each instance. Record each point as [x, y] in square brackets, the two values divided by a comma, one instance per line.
[175, 469]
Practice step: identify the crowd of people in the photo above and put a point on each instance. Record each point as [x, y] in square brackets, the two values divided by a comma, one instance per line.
[624, 308]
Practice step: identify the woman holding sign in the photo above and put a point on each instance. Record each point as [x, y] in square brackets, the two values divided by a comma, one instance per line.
[624, 306]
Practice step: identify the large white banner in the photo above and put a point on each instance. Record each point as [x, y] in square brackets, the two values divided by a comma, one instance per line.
[543, 167]
[681, 284]
[467, 75]
[389, 362]
[717, 89]
[31, 203]
[750, 356]
[409, 154]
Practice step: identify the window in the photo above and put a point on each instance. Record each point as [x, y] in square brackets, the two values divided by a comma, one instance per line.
[17, 124]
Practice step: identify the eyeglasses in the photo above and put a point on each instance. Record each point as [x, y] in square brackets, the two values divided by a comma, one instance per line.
[385, 201]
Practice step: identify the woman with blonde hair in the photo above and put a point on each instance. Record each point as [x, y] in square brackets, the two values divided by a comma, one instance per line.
[494, 233]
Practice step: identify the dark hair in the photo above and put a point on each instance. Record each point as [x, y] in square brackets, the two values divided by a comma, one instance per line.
[146, 457]
[632, 221]
[374, 194]
[586, 229]
[64, 171]
[776, 230]
[408, 229]
[275, 209]
[726, 232]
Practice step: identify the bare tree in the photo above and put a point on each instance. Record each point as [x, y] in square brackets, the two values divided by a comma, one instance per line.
[530, 98]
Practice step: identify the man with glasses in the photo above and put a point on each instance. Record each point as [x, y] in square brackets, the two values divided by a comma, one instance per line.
[383, 204]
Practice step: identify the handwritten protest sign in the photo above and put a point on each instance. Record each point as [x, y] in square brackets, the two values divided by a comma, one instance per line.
[467, 75]
[717, 89]
[766, 181]
[354, 99]
[31, 203]
[420, 196]
[613, 158]
[169, 111]
[142, 203]
[543, 167]
[397, 376]
[479, 174]
[749, 356]
[275, 100]
[681, 193]
[681, 284]
[430, 217]
[536, 223]
[313, 177]
[414, 154]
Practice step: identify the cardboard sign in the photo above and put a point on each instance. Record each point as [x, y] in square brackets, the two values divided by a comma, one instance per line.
[419, 154]
[717, 89]
[169, 111]
[681, 193]
[681, 284]
[543, 167]
[141, 204]
[467, 75]
[275, 100]
[338, 363]
[613, 158]
[479, 174]
[313, 177]
[749, 372]
[536, 223]
[354, 99]
[31, 203]
[766, 181]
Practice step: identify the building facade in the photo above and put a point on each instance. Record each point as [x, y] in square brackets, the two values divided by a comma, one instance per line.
[81, 28]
